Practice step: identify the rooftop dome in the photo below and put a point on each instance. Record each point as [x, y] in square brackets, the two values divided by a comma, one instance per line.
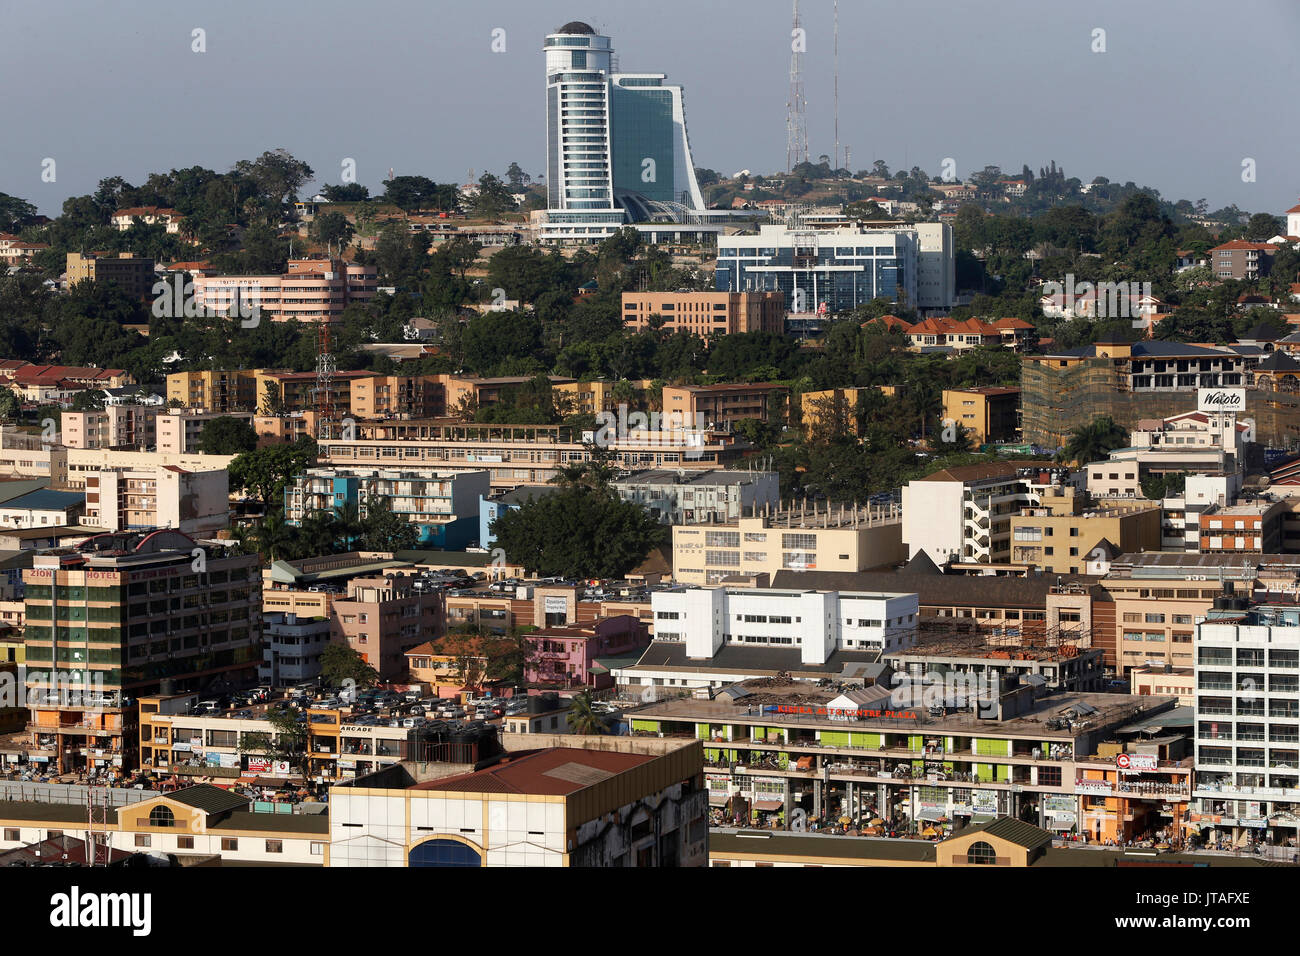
[577, 26]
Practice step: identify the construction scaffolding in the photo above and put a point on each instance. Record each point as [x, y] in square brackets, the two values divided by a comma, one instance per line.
[1056, 400]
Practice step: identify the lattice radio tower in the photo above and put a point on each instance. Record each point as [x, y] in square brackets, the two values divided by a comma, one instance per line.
[796, 121]
[325, 368]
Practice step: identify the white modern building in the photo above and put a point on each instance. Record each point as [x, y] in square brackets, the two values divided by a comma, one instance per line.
[814, 623]
[682, 497]
[838, 269]
[1247, 671]
[965, 512]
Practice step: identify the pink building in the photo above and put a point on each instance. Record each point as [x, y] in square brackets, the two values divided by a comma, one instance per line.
[313, 290]
[564, 656]
[383, 617]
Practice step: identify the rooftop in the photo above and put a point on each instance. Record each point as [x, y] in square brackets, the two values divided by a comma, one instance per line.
[802, 703]
[556, 771]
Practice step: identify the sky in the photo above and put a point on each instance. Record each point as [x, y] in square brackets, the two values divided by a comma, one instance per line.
[1184, 93]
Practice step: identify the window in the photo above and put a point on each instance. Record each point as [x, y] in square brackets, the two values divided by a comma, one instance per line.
[317, 848]
[161, 816]
[274, 846]
[981, 854]
[229, 843]
[185, 843]
[11, 834]
[142, 839]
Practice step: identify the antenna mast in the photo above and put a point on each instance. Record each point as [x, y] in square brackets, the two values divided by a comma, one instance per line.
[796, 127]
[837, 84]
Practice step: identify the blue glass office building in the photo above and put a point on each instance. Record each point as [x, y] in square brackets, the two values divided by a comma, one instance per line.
[831, 270]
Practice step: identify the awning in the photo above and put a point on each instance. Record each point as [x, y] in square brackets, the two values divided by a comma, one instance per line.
[804, 763]
[982, 817]
[717, 799]
[768, 804]
[931, 813]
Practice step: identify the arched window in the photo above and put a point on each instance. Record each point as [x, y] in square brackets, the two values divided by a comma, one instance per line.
[981, 853]
[444, 853]
[161, 816]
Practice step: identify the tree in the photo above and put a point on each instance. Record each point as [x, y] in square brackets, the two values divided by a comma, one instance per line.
[579, 532]
[264, 472]
[348, 192]
[340, 664]
[332, 228]
[285, 740]
[14, 212]
[583, 718]
[493, 197]
[516, 177]
[1094, 441]
[88, 400]
[227, 435]
[10, 406]
[384, 530]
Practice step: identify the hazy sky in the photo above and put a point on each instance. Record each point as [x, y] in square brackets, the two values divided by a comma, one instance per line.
[1185, 91]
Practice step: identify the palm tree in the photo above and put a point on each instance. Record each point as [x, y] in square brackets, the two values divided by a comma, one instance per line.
[348, 524]
[1094, 441]
[275, 537]
[583, 718]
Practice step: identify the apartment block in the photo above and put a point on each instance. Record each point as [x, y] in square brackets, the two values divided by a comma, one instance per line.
[966, 512]
[132, 275]
[180, 432]
[1060, 533]
[384, 616]
[398, 396]
[292, 648]
[1242, 259]
[988, 414]
[443, 506]
[312, 290]
[216, 391]
[705, 313]
[1248, 721]
[114, 426]
[195, 502]
[706, 497]
[837, 539]
[1251, 526]
[567, 655]
[115, 618]
[516, 455]
[721, 406]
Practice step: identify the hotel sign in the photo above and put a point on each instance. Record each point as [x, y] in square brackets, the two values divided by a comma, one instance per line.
[1221, 400]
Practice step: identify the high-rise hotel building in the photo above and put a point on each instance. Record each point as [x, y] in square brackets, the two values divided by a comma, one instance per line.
[616, 144]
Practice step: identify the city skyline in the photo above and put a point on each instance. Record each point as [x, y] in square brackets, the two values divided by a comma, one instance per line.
[973, 100]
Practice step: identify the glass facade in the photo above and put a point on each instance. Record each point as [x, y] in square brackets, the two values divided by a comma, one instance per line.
[642, 129]
[842, 278]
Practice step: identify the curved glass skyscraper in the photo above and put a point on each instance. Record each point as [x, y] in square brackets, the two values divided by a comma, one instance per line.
[616, 144]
